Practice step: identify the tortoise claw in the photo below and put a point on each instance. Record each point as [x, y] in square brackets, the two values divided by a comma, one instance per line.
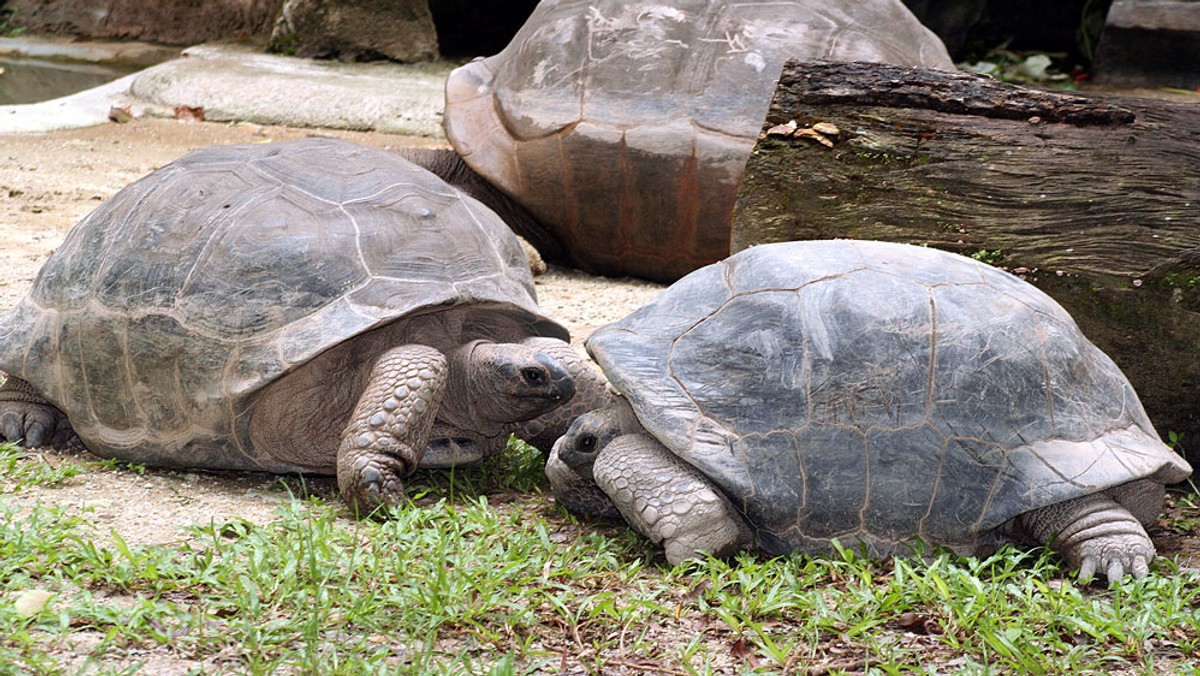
[32, 424]
[1117, 558]
[370, 487]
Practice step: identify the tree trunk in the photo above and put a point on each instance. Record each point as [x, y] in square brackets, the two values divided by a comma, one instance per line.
[1096, 200]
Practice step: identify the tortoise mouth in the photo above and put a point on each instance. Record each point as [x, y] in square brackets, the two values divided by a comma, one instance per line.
[561, 387]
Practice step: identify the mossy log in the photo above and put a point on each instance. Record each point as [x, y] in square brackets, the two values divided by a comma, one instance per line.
[1096, 200]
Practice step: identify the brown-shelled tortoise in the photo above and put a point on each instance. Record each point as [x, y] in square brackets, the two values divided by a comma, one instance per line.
[870, 393]
[624, 127]
[311, 306]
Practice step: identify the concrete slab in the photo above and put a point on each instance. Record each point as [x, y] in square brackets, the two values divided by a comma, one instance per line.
[239, 84]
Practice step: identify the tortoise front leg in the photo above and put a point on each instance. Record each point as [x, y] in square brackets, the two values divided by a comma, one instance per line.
[26, 415]
[1094, 532]
[668, 500]
[390, 426]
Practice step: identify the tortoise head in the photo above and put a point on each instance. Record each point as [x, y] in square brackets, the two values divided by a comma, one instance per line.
[511, 382]
[591, 432]
[569, 467]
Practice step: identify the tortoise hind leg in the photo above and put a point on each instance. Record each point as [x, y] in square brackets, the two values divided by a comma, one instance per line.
[1143, 498]
[1093, 533]
[26, 415]
[390, 427]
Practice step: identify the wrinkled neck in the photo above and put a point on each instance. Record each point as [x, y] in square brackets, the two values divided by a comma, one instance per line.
[627, 420]
[470, 404]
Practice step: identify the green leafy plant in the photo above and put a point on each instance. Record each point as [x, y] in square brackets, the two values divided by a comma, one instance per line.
[1036, 68]
[21, 469]
[989, 256]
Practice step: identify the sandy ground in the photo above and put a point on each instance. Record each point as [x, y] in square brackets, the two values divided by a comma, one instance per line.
[48, 182]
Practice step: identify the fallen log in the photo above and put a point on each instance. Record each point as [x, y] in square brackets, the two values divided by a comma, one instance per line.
[1096, 200]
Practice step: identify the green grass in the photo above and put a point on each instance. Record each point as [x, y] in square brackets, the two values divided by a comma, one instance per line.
[21, 469]
[483, 575]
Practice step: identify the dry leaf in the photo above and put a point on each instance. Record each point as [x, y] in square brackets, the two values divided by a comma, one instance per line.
[120, 114]
[783, 129]
[700, 589]
[740, 648]
[919, 623]
[827, 128]
[189, 113]
[31, 602]
[819, 138]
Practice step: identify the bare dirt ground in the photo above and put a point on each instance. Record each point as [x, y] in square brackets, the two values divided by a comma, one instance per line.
[48, 182]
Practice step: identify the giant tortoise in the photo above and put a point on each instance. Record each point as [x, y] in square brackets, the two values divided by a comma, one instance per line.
[624, 127]
[309, 306]
[869, 393]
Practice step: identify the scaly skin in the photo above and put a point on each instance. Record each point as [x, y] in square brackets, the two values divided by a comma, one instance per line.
[669, 501]
[390, 426]
[658, 494]
[577, 494]
[25, 415]
[1093, 533]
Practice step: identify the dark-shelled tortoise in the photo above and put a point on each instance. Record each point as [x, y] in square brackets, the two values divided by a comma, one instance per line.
[871, 393]
[311, 306]
[624, 127]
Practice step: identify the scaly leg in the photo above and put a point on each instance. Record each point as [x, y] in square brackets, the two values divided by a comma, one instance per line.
[390, 426]
[1092, 533]
[668, 500]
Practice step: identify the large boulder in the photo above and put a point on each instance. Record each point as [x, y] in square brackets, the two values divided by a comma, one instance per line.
[172, 22]
[1150, 44]
[356, 30]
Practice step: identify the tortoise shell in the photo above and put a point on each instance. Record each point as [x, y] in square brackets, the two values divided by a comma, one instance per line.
[872, 392]
[625, 126]
[169, 310]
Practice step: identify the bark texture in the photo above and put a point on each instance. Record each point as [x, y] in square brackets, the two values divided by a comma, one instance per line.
[1094, 200]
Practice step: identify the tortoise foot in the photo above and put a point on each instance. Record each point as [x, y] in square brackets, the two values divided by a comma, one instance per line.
[1116, 555]
[1093, 533]
[371, 485]
[26, 416]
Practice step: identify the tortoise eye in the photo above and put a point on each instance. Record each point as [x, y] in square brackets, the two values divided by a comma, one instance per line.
[533, 375]
[587, 443]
